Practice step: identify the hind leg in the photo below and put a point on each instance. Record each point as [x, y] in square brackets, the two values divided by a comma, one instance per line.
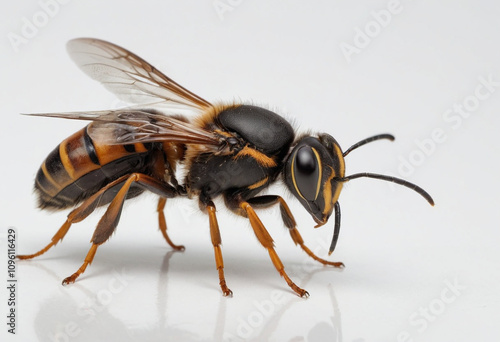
[111, 217]
[55, 239]
[77, 215]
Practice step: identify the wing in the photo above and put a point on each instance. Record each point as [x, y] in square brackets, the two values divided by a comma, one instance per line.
[128, 126]
[130, 77]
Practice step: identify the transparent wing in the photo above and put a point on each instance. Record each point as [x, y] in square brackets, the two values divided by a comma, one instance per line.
[128, 126]
[129, 77]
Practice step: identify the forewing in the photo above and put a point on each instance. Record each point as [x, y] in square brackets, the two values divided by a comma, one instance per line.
[128, 126]
[130, 77]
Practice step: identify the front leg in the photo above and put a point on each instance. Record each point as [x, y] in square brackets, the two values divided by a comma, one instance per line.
[289, 221]
[243, 208]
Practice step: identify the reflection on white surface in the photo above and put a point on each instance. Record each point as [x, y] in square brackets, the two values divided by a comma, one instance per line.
[85, 315]
[91, 319]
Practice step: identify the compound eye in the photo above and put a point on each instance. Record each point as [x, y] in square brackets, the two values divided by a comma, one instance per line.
[307, 172]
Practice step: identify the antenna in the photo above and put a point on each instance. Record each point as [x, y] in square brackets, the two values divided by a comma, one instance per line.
[399, 181]
[368, 140]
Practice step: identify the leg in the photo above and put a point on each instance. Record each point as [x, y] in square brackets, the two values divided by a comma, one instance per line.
[289, 221]
[163, 224]
[111, 217]
[88, 260]
[266, 240]
[77, 215]
[55, 239]
[209, 207]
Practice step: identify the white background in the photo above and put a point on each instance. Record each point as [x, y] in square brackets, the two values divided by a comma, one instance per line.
[413, 272]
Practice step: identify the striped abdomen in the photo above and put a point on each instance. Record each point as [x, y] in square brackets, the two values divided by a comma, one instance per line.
[79, 167]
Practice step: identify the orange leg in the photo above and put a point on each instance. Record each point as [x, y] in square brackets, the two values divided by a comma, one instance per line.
[163, 224]
[289, 220]
[55, 239]
[216, 242]
[297, 238]
[111, 217]
[109, 220]
[266, 240]
[88, 260]
[77, 215]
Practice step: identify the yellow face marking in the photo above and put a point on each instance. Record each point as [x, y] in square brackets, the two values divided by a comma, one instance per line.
[259, 183]
[320, 172]
[293, 176]
[341, 174]
[338, 153]
[327, 194]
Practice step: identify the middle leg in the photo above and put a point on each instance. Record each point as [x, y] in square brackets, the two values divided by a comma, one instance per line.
[208, 206]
